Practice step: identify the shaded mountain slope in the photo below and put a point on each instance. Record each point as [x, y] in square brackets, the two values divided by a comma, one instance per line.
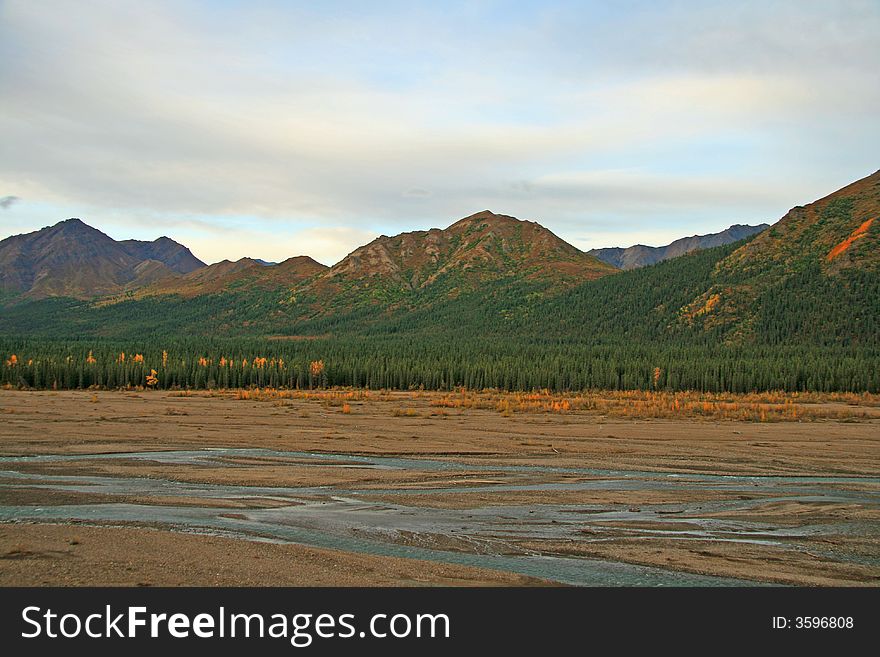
[72, 259]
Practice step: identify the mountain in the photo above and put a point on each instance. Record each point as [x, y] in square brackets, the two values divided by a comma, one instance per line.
[641, 255]
[440, 264]
[812, 278]
[813, 274]
[836, 232]
[72, 259]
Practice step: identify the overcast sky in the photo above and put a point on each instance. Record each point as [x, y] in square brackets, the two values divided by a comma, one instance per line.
[280, 128]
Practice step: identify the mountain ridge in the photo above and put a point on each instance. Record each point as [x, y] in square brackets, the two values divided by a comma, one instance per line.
[221, 275]
[640, 255]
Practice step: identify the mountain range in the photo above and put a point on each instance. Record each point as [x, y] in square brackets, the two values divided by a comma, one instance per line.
[812, 276]
[641, 255]
[72, 259]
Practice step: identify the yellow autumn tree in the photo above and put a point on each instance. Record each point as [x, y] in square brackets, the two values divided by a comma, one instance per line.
[152, 379]
[316, 369]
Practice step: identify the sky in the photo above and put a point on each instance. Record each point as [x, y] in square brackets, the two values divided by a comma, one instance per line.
[274, 129]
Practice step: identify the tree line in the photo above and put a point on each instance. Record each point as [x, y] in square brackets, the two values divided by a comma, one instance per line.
[401, 362]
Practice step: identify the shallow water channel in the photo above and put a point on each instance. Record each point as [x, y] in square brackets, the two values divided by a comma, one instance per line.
[488, 536]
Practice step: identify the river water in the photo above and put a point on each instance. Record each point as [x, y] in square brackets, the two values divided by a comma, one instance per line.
[487, 536]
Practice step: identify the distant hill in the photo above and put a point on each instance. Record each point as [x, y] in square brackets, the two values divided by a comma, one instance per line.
[175, 256]
[641, 255]
[245, 272]
[72, 259]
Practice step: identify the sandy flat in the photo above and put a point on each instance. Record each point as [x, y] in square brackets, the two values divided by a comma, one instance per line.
[70, 422]
[71, 555]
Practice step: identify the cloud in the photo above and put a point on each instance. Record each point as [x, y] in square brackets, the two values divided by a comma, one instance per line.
[396, 117]
[632, 190]
[417, 192]
[6, 202]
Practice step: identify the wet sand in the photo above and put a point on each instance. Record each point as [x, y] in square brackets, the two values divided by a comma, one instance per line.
[798, 567]
[53, 555]
[535, 464]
